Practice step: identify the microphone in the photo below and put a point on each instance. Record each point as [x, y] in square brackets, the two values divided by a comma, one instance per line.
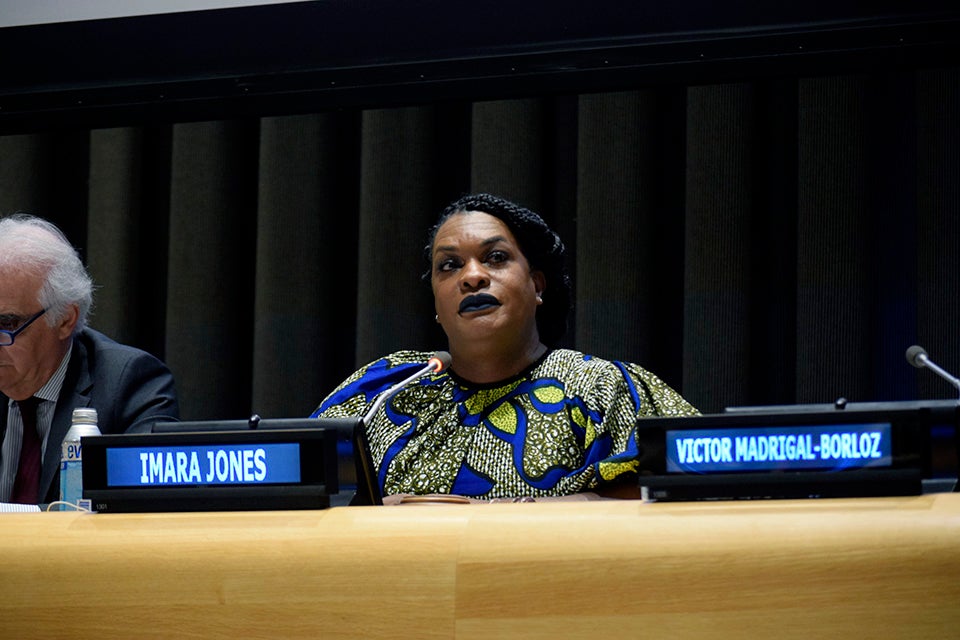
[917, 356]
[439, 361]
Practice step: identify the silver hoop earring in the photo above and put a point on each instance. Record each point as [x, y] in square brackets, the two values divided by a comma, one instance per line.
[437, 318]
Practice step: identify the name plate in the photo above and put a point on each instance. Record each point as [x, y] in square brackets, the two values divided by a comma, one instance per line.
[226, 465]
[881, 450]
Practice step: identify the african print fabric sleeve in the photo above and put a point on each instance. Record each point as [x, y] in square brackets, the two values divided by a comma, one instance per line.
[638, 394]
[357, 393]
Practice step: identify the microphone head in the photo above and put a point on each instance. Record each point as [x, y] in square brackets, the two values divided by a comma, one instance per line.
[440, 360]
[916, 355]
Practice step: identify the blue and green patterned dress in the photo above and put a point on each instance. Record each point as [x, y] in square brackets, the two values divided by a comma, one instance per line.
[564, 425]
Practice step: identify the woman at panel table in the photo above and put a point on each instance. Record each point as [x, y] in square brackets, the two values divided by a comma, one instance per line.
[514, 416]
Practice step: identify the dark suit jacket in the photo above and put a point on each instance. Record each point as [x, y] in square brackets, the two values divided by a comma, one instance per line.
[129, 388]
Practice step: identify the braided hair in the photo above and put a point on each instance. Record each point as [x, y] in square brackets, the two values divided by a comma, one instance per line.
[540, 245]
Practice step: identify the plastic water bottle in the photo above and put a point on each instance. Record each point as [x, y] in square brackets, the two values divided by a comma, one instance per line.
[84, 423]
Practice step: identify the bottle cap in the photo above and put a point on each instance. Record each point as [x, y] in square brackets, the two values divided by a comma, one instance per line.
[84, 415]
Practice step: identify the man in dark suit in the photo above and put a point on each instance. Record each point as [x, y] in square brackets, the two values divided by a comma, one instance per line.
[52, 363]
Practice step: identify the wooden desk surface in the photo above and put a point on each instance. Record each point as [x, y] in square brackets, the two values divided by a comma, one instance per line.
[886, 567]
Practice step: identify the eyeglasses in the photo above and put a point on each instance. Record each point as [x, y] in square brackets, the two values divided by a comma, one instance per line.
[7, 336]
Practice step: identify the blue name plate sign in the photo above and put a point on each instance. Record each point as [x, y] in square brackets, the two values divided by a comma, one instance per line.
[235, 464]
[219, 467]
[765, 448]
[875, 451]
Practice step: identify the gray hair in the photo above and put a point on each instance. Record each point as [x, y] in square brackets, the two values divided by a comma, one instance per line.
[32, 245]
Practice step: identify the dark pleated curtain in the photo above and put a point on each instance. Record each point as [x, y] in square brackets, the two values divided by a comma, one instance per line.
[305, 284]
[937, 308]
[767, 242]
[127, 231]
[629, 228]
[398, 189]
[722, 286]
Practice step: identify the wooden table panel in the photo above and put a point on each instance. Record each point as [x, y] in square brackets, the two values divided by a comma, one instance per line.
[887, 567]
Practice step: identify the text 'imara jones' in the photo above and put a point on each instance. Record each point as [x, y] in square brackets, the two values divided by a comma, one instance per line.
[181, 467]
